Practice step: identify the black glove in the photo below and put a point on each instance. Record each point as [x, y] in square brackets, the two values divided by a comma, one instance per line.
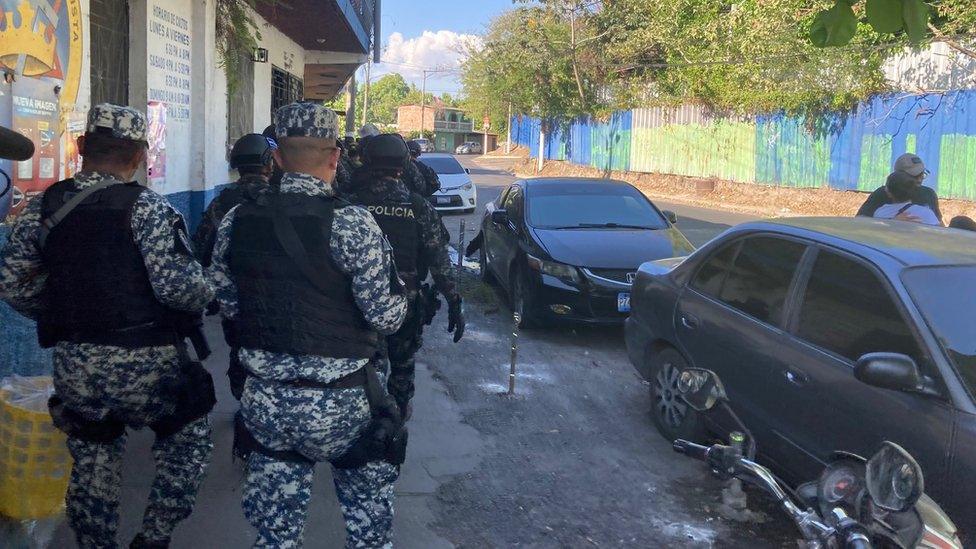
[455, 319]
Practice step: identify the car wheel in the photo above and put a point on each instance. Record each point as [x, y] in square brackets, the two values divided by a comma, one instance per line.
[521, 301]
[673, 417]
[486, 275]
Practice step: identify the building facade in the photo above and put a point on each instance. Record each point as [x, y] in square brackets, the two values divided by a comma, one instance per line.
[451, 126]
[59, 57]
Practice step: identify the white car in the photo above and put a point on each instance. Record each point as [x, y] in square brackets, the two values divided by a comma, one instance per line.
[458, 192]
[469, 147]
[425, 144]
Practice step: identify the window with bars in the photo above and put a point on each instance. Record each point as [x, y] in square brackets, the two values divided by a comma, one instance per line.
[109, 28]
[285, 88]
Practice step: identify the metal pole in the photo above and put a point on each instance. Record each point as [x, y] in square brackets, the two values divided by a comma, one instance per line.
[515, 335]
[366, 93]
[423, 103]
[508, 141]
[542, 148]
[460, 253]
[351, 104]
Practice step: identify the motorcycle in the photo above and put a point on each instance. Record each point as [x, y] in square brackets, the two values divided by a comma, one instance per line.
[857, 503]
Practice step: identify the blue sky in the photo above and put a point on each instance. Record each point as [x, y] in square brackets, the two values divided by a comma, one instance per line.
[421, 34]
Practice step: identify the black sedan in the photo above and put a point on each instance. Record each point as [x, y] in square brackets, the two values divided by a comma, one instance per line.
[791, 314]
[568, 248]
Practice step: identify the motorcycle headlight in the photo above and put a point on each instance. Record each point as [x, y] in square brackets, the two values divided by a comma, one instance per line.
[558, 270]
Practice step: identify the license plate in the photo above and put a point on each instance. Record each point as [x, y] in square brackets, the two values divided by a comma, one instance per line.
[623, 302]
[443, 199]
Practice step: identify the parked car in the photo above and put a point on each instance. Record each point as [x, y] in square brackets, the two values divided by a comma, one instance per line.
[458, 192]
[468, 147]
[785, 313]
[568, 248]
[425, 145]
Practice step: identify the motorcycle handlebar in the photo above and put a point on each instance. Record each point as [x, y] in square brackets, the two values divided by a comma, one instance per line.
[691, 449]
[719, 458]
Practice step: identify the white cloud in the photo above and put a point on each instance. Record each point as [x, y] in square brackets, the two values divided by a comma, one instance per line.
[432, 49]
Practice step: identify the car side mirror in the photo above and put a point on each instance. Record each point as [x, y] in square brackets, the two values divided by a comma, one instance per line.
[499, 217]
[700, 388]
[893, 371]
[467, 170]
[671, 217]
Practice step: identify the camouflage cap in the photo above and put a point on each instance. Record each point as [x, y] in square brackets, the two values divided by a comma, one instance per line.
[306, 119]
[118, 122]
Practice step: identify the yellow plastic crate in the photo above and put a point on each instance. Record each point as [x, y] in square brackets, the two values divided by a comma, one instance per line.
[34, 459]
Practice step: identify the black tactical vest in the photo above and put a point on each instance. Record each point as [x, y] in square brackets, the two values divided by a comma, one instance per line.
[97, 289]
[279, 309]
[398, 221]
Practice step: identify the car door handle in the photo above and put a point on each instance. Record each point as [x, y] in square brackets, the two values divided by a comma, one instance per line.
[689, 322]
[798, 379]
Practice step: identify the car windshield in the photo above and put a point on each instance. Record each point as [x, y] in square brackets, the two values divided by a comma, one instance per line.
[946, 296]
[590, 205]
[442, 164]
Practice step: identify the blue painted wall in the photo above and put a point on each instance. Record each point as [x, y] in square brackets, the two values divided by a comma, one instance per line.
[850, 151]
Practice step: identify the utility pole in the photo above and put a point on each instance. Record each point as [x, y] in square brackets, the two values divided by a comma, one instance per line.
[369, 63]
[351, 104]
[508, 141]
[423, 103]
[423, 96]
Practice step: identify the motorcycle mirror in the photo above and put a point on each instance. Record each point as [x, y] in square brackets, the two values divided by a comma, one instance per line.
[700, 388]
[894, 478]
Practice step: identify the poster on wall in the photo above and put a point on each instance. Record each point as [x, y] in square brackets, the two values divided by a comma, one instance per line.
[156, 156]
[41, 55]
[169, 56]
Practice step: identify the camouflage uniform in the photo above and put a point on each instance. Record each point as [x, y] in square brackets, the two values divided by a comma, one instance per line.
[320, 424]
[248, 187]
[126, 383]
[433, 256]
[420, 178]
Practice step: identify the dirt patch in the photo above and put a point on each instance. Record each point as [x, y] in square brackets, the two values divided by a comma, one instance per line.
[755, 199]
[521, 152]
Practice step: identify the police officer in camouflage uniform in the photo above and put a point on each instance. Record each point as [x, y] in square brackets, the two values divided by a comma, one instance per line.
[252, 157]
[106, 269]
[309, 282]
[419, 177]
[419, 242]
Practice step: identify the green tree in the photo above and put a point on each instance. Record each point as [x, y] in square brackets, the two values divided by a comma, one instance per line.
[541, 59]
[750, 56]
[385, 95]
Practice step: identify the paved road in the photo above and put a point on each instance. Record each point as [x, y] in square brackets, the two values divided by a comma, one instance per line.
[572, 460]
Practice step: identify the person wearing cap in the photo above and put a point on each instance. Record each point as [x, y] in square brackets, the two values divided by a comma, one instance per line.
[106, 268]
[900, 188]
[913, 166]
[309, 282]
[419, 177]
[420, 243]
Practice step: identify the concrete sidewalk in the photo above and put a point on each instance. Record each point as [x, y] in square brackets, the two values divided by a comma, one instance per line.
[440, 447]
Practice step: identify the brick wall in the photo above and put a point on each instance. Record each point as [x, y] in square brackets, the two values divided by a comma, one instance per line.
[408, 118]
